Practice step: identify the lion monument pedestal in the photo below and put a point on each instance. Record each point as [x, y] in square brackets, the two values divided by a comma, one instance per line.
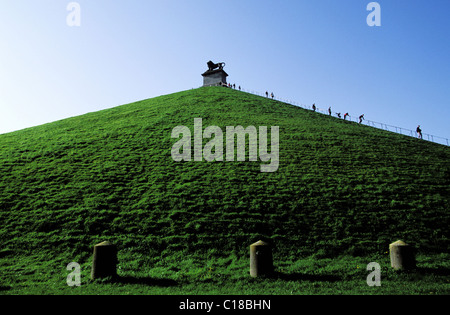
[215, 76]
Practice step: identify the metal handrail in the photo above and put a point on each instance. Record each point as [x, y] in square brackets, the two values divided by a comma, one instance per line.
[370, 123]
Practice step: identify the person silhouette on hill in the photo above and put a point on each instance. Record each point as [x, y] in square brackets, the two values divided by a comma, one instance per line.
[329, 110]
[345, 116]
[339, 115]
[314, 107]
[267, 94]
[419, 132]
[361, 118]
[272, 95]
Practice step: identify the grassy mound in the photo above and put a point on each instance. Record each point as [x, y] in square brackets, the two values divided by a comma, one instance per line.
[341, 187]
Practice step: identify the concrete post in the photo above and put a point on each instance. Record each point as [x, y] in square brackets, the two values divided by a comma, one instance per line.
[402, 256]
[261, 261]
[105, 261]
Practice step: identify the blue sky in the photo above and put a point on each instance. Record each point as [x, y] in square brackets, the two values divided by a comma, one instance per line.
[319, 51]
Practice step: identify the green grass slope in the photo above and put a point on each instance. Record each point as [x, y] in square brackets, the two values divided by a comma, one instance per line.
[341, 188]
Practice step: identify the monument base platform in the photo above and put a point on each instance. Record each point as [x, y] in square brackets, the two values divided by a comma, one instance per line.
[215, 78]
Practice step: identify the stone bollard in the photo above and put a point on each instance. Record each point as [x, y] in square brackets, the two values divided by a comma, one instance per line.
[105, 261]
[402, 256]
[261, 262]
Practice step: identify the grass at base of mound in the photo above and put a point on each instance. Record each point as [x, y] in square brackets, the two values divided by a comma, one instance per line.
[343, 275]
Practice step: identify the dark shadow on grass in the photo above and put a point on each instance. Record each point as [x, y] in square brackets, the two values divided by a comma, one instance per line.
[5, 288]
[302, 277]
[434, 271]
[146, 281]
[306, 277]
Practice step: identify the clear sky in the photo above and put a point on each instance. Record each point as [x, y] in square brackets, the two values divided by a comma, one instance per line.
[315, 51]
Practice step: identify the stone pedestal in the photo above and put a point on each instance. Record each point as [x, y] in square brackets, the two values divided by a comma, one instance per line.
[261, 261]
[215, 78]
[105, 261]
[402, 256]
